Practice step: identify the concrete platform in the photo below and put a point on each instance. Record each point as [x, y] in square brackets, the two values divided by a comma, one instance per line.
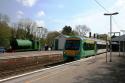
[15, 61]
[27, 54]
[89, 70]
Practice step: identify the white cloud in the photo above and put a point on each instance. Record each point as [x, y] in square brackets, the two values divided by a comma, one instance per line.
[40, 13]
[20, 14]
[28, 3]
[120, 3]
[119, 6]
[40, 23]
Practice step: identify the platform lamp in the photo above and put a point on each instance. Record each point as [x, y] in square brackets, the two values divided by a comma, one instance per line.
[111, 14]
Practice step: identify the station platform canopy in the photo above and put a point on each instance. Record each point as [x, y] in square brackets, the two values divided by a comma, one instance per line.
[119, 38]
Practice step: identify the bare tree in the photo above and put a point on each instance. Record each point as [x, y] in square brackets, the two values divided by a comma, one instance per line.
[27, 28]
[41, 32]
[24, 28]
[28, 25]
[44, 32]
[4, 19]
[82, 30]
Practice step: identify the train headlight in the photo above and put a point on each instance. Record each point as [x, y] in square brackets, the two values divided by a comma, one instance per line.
[64, 52]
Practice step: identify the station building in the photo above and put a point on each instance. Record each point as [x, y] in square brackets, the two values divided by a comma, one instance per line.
[118, 42]
[59, 42]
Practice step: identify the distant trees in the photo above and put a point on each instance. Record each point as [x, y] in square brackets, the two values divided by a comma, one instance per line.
[24, 29]
[50, 37]
[28, 29]
[82, 30]
[102, 36]
[43, 32]
[5, 31]
[29, 26]
[67, 30]
[4, 19]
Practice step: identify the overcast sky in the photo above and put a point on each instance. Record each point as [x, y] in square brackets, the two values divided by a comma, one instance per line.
[55, 14]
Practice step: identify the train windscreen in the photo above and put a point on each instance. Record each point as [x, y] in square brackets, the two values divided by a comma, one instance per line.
[72, 45]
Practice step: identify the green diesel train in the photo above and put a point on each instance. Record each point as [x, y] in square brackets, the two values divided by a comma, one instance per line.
[77, 48]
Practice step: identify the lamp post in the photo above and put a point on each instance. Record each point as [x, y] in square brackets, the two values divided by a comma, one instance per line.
[39, 37]
[111, 14]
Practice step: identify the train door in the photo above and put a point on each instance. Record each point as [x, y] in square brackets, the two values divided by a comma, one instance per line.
[56, 44]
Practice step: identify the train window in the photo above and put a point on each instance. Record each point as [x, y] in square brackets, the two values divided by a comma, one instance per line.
[72, 44]
[92, 46]
[84, 46]
[88, 46]
[100, 46]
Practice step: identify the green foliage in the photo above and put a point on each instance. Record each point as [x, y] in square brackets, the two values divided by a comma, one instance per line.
[43, 42]
[20, 34]
[5, 31]
[73, 33]
[5, 35]
[102, 36]
[51, 36]
[24, 29]
[67, 30]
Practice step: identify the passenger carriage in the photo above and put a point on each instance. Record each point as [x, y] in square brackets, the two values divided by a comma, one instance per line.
[77, 47]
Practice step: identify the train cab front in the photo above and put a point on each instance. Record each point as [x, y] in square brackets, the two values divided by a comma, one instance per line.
[72, 49]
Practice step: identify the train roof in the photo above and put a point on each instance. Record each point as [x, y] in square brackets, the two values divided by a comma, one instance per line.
[22, 42]
[89, 39]
[82, 38]
[119, 38]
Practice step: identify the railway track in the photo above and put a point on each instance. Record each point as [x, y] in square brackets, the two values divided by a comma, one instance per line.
[20, 66]
[22, 70]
